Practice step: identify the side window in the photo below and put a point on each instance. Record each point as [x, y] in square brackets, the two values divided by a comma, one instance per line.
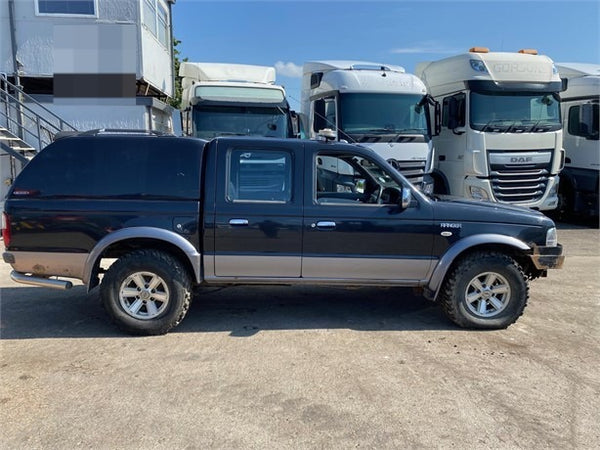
[352, 179]
[103, 167]
[259, 176]
[584, 121]
[324, 114]
[453, 111]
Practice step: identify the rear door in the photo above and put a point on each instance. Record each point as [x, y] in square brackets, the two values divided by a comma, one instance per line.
[354, 228]
[258, 209]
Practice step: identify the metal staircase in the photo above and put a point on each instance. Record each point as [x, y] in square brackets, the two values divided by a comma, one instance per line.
[26, 127]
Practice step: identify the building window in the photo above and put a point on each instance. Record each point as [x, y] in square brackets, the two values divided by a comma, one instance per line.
[68, 7]
[156, 20]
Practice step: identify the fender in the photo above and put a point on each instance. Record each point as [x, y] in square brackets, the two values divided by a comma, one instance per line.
[159, 234]
[439, 273]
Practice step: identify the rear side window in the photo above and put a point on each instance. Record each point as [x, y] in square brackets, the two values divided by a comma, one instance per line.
[259, 176]
[114, 167]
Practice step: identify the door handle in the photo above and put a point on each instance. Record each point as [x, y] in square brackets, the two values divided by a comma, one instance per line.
[238, 222]
[324, 225]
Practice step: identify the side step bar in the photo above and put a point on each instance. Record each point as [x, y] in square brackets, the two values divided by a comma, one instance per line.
[39, 281]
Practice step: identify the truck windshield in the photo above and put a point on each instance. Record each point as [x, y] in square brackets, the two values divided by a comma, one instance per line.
[212, 121]
[514, 112]
[382, 115]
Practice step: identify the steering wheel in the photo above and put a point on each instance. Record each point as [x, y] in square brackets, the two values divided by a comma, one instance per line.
[376, 195]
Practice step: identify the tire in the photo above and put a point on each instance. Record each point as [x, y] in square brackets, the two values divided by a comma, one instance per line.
[146, 292]
[485, 290]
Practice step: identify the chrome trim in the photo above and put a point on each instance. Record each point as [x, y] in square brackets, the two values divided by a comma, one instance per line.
[325, 224]
[49, 263]
[143, 232]
[366, 268]
[439, 273]
[38, 281]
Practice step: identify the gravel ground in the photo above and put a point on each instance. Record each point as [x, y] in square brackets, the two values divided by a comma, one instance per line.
[282, 367]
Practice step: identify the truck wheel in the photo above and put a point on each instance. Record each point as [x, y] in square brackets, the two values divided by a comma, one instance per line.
[146, 292]
[486, 290]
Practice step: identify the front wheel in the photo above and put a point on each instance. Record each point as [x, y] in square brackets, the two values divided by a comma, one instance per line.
[146, 292]
[485, 290]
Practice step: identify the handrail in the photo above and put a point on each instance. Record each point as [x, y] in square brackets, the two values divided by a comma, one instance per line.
[4, 79]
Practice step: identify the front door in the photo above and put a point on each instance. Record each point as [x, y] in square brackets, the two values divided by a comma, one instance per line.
[354, 227]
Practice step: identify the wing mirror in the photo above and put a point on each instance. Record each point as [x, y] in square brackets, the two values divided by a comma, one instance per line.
[406, 197]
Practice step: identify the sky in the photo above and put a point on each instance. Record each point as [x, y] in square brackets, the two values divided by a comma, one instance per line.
[285, 34]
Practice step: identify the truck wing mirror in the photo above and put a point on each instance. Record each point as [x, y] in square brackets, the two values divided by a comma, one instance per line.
[437, 127]
[295, 122]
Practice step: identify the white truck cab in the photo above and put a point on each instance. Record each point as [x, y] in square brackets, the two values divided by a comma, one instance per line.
[376, 105]
[578, 192]
[233, 99]
[501, 134]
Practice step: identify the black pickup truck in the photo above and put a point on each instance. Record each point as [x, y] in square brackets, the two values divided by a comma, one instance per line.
[175, 213]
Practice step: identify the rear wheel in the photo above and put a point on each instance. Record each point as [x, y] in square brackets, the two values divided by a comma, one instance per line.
[146, 292]
[485, 290]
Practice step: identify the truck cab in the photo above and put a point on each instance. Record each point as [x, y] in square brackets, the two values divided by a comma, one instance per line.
[501, 134]
[379, 106]
[233, 100]
[578, 191]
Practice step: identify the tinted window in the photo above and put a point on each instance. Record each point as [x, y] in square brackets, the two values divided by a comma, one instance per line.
[259, 175]
[583, 128]
[114, 167]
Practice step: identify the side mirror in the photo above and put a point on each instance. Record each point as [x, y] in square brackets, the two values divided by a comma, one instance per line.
[405, 198]
[437, 127]
[295, 122]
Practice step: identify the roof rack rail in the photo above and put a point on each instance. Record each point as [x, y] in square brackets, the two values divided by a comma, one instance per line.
[113, 131]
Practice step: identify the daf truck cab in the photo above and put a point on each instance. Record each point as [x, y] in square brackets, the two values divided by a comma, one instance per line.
[233, 99]
[578, 191]
[376, 105]
[501, 133]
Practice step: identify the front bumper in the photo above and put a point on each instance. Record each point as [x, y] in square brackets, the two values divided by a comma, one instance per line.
[544, 258]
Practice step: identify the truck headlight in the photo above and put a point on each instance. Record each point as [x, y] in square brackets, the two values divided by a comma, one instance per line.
[478, 193]
[551, 237]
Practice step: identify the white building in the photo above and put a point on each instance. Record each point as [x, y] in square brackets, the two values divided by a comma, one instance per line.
[94, 63]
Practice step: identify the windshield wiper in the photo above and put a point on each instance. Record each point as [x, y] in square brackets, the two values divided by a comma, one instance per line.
[497, 128]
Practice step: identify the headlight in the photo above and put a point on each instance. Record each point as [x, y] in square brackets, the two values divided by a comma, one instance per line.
[478, 193]
[551, 237]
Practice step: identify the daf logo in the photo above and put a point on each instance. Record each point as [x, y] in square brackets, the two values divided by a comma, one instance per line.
[521, 159]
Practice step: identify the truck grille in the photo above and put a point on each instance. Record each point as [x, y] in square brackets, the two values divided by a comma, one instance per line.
[412, 170]
[520, 177]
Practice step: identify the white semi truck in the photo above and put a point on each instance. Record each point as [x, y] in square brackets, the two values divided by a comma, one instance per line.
[578, 191]
[233, 99]
[376, 105]
[501, 134]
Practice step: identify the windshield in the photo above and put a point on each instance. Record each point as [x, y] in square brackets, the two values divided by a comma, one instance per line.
[212, 121]
[514, 113]
[382, 114]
